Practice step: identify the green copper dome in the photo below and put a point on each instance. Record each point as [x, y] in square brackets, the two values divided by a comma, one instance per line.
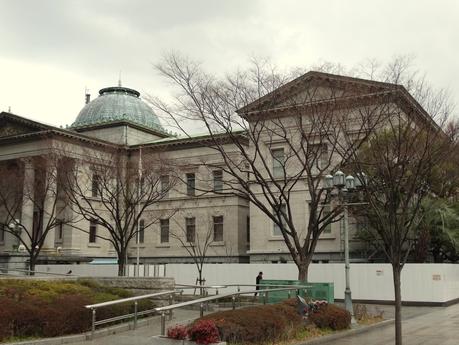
[117, 104]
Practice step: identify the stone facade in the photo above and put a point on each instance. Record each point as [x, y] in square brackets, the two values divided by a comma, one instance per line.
[246, 232]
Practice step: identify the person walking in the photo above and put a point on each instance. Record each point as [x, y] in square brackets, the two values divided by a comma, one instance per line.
[258, 279]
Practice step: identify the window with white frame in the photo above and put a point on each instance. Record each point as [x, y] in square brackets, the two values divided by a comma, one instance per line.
[164, 180]
[278, 162]
[325, 209]
[218, 180]
[141, 235]
[2, 233]
[95, 185]
[276, 228]
[60, 230]
[190, 227]
[164, 230]
[92, 231]
[190, 184]
[320, 154]
[218, 228]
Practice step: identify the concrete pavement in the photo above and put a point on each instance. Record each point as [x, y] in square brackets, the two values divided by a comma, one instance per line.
[421, 326]
[440, 326]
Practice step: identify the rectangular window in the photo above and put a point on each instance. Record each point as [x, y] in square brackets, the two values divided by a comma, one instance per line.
[141, 185]
[164, 180]
[276, 228]
[95, 185]
[60, 230]
[248, 229]
[190, 184]
[92, 231]
[218, 180]
[319, 152]
[2, 233]
[278, 162]
[218, 228]
[141, 235]
[164, 229]
[326, 211]
[190, 224]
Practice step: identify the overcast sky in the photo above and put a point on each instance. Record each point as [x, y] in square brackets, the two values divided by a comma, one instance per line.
[51, 50]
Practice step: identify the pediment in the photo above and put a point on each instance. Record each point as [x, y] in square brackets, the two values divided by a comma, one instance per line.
[313, 87]
[12, 125]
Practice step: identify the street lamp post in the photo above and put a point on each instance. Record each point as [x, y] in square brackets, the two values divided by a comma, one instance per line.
[345, 185]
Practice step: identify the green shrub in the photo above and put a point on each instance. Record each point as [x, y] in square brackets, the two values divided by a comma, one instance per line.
[257, 324]
[331, 316]
[39, 308]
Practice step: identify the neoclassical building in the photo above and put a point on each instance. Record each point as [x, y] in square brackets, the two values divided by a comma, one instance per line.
[119, 118]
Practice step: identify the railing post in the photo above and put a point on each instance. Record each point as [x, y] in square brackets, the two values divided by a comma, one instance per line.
[233, 300]
[93, 326]
[135, 314]
[163, 323]
[201, 310]
[265, 298]
[216, 291]
[171, 301]
[288, 294]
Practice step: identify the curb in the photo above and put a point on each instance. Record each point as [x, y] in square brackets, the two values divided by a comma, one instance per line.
[348, 333]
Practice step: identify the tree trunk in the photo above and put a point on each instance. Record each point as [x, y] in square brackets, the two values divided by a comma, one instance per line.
[32, 262]
[303, 269]
[121, 263]
[396, 270]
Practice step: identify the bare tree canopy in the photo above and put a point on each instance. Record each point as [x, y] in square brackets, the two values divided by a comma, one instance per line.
[116, 189]
[288, 136]
[32, 203]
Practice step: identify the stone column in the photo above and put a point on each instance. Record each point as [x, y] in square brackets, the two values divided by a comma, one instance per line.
[28, 205]
[49, 212]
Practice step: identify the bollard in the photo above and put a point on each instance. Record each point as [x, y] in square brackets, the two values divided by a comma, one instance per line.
[233, 300]
[93, 326]
[201, 310]
[135, 314]
[163, 323]
[216, 291]
[171, 301]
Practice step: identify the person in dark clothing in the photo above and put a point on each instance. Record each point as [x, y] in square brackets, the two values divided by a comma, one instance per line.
[258, 279]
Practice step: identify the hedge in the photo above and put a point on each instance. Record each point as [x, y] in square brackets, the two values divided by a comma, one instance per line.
[37, 308]
[258, 324]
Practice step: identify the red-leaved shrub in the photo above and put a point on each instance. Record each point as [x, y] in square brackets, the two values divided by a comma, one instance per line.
[204, 332]
[331, 316]
[177, 332]
[257, 324]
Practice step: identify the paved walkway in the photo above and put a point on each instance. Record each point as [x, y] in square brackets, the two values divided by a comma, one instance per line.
[421, 326]
[143, 335]
[441, 326]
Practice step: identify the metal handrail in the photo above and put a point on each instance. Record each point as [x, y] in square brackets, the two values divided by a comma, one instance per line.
[233, 295]
[134, 315]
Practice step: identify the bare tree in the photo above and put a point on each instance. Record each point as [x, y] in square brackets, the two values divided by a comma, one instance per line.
[399, 161]
[285, 137]
[116, 189]
[31, 184]
[196, 243]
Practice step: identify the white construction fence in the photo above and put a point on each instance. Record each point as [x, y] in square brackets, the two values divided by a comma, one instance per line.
[423, 283]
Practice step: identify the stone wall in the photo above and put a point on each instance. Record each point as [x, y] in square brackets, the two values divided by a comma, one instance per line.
[140, 285]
